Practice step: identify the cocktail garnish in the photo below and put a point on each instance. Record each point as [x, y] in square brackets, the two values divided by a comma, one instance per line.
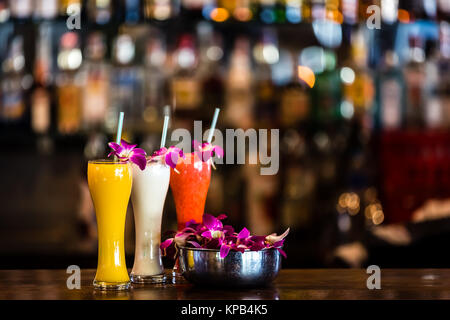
[212, 234]
[170, 156]
[128, 152]
[206, 151]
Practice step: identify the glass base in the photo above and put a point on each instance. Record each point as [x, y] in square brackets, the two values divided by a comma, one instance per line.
[177, 276]
[113, 286]
[159, 278]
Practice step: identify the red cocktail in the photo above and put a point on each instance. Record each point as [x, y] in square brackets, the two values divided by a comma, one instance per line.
[190, 187]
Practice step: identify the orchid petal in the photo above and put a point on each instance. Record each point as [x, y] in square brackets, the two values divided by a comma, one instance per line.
[282, 252]
[127, 146]
[228, 230]
[118, 149]
[115, 146]
[166, 244]
[244, 234]
[218, 151]
[140, 160]
[139, 151]
[187, 230]
[196, 145]
[207, 234]
[258, 238]
[274, 238]
[221, 217]
[191, 223]
[195, 244]
[213, 244]
[278, 244]
[209, 221]
[159, 152]
[224, 250]
[171, 159]
[206, 155]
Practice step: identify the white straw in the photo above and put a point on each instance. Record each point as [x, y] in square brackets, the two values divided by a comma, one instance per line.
[213, 125]
[164, 132]
[119, 128]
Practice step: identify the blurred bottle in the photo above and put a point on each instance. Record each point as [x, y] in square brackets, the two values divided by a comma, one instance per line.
[14, 83]
[414, 74]
[267, 11]
[193, 5]
[132, 11]
[260, 195]
[161, 10]
[350, 11]
[326, 91]
[126, 85]
[156, 87]
[444, 67]
[43, 75]
[185, 83]
[96, 76]
[295, 11]
[99, 11]
[318, 10]
[358, 85]
[443, 10]
[295, 104]
[210, 71]
[46, 9]
[299, 180]
[431, 89]
[67, 7]
[5, 12]
[21, 9]
[390, 94]
[265, 54]
[306, 11]
[239, 98]
[69, 83]
[242, 10]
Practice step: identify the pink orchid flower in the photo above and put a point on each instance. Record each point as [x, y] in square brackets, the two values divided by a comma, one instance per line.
[206, 151]
[170, 156]
[128, 152]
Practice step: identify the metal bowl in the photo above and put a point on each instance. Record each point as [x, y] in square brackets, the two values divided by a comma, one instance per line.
[248, 269]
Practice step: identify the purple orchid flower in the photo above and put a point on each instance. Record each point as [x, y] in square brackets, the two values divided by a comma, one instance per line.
[206, 151]
[212, 234]
[213, 226]
[273, 238]
[170, 156]
[128, 152]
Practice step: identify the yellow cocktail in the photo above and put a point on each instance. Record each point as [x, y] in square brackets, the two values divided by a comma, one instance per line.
[110, 186]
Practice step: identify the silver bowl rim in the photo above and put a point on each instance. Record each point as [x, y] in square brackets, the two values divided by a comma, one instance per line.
[217, 250]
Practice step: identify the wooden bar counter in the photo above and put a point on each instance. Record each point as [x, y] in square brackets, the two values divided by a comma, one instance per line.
[298, 284]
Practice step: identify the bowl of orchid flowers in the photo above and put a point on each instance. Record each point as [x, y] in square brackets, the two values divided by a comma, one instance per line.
[211, 253]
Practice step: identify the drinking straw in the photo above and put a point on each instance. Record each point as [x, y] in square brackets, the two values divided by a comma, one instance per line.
[164, 133]
[119, 128]
[213, 125]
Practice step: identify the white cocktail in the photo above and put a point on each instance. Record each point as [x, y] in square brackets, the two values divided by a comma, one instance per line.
[148, 196]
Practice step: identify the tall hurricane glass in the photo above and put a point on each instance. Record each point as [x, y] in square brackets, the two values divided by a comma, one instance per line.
[110, 186]
[148, 196]
[190, 188]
